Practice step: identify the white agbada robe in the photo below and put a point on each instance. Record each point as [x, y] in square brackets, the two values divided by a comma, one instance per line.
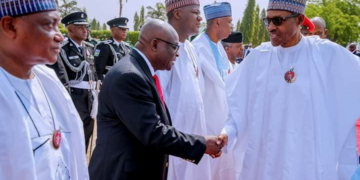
[297, 131]
[182, 95]
[27, 127]
[215, 103]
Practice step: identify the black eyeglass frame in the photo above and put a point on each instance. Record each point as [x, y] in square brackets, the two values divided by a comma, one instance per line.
[267, 20]
[176, 46]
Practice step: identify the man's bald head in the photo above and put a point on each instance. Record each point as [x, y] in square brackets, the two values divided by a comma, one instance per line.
[155, 28]
[320, 21]
[320, 27]
[159, 41]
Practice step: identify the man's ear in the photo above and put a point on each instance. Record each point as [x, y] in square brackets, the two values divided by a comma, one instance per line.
[177, 14]
[227, 49]
[154, 45]
[69, 28]
[326, 33]
[300, 19]
[8, 26]
[217, 21]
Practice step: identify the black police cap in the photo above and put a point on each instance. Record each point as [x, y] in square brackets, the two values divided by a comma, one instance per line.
[120, 22]
[78, 18]
[234, 37]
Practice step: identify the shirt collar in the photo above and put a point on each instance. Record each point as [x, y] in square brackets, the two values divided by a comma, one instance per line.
[77, 46]
[147, 61]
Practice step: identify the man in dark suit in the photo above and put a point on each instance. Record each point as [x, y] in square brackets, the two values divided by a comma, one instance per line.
[135, 135]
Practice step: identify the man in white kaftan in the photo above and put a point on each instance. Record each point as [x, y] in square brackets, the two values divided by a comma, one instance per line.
[215, 67]
[41, 136]
[294, 103]
[181, 88]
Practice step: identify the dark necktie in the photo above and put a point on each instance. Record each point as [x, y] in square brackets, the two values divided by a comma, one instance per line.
[80, 50]
[158, 87]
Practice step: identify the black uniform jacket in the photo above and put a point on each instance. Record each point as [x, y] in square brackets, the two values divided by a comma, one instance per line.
[105, 57]
[135, 134]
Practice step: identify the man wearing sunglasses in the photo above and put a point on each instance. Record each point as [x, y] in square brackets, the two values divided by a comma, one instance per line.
[294, 102]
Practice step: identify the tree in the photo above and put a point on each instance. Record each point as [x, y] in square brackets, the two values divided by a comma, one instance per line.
[121, 7]
[256, 40]
[238, 25]
[263, 33]
[98, 26]
[104, 27]
[93, 24]
[68, 7]
[247, 23]
[342, 18]
[142, 16]
[136, 22]
[159, 12]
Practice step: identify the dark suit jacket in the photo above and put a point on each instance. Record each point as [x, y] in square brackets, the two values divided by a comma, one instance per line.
[135, 134]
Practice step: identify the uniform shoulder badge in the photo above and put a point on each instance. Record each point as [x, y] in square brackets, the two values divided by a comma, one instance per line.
[97, 52]
[107, 41]
[88, 44]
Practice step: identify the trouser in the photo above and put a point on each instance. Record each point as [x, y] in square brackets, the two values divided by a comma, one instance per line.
[82, 99]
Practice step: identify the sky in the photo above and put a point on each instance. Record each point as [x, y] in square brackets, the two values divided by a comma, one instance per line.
[105, 10]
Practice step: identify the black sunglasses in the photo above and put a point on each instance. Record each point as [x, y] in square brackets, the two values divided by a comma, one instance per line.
[174, 46]
[277, 21]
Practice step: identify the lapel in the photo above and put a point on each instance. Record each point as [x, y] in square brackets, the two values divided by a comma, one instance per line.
[141, 61]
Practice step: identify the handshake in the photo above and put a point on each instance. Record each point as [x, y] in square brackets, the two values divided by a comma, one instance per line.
[214, 144]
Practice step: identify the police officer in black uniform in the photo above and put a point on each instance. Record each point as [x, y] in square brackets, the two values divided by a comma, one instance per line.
[77, 57]
[90, 39]
[110, 51]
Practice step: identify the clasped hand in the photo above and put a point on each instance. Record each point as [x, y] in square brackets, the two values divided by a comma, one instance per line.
[214, 144]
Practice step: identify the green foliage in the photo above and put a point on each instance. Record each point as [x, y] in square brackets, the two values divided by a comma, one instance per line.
[238, 24]
[132, 36]
[104, 27]
[342, 18]
[247, 23]
[256, 39]
[159, 12]
[94, 24]
[264, 36]
[68, 7]
[136, 21]
[142, 16]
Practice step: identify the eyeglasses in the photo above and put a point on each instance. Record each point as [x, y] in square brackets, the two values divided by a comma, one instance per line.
[277, 21]
[173, 45]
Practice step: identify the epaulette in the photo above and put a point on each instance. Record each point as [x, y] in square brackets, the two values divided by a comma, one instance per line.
[107, 41]
[62, 44]
[127, 44]
[88, 44]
